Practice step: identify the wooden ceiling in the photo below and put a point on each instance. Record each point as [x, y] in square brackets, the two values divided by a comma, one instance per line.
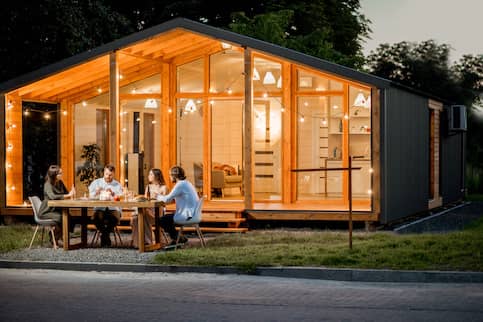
[136, 62]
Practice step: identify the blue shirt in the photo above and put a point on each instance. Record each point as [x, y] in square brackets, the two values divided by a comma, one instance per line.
[186, 200]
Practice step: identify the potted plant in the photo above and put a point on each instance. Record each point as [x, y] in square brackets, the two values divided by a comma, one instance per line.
[91, 169]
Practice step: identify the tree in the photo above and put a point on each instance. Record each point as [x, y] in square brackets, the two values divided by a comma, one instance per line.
[425, 66]
[37, 33]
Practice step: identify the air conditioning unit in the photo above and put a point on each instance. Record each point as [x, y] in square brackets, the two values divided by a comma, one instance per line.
[457, 118]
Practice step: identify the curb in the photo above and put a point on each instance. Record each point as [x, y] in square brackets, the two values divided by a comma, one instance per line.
[352, 275]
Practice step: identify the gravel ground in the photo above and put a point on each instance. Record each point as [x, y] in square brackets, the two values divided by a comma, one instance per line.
[94, 254]
[444, 221]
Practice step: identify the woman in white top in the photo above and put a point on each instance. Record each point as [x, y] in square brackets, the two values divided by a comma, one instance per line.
[156, 187]
[184, 193]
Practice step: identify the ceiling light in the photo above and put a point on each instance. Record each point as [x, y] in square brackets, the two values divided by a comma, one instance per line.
[190, 106]
[269, 79]
[360, 100]
[151, 103]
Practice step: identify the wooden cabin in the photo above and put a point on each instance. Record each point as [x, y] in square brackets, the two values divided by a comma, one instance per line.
[257, 127]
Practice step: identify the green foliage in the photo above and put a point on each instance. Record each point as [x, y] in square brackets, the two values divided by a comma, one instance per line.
[332, 30]
[16, 237]
[91, 169]
[380, 250]
[425, 66]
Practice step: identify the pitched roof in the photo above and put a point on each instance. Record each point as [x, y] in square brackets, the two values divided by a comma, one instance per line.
[156, 43]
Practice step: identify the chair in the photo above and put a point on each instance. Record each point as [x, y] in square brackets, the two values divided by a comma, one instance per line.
[97, 236]
[198, 175]
[220, 180]
[51, 224]
[193, 222]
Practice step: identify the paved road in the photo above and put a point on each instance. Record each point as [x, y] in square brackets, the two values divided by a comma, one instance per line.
[53, 295]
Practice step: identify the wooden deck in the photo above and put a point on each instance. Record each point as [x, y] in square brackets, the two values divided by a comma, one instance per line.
[231, 216]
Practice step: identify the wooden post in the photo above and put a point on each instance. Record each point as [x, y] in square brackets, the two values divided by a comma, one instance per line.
[350, 202]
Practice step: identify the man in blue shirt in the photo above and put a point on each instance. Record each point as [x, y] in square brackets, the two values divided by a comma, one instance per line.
[106, 219]
[186, 201]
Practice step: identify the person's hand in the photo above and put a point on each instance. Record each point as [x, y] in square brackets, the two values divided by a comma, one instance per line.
[98, 190]
[72, 192]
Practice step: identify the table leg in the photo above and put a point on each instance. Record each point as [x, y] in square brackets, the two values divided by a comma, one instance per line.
[65, 227]
[157, 237]
[84, 227]
[141, 230]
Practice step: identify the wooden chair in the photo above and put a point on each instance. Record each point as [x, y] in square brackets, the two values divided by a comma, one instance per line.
[41, 223]
[193, 222]
[97, 236]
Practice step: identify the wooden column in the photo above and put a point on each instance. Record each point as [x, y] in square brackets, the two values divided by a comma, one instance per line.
[286, 174]
[247, 130]
[114, 126]
[166, 111]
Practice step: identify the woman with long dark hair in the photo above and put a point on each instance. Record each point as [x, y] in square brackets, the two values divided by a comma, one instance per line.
[54, 189]
[156, 187]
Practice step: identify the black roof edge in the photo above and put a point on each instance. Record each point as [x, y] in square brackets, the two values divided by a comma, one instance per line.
[203, 29]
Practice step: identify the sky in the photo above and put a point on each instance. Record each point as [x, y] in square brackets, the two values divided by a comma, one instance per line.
[456, 23]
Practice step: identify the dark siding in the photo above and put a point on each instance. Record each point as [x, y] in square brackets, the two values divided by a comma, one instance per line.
[452, 166]
[405, 155]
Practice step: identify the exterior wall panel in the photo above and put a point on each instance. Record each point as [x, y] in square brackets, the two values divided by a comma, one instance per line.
[405, 149]
[452, 166]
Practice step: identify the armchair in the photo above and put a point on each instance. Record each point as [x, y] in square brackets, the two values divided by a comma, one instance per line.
[220, 180]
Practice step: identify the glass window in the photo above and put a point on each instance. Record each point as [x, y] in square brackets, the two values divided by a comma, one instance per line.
[91, 119]
[267, 75]
[148, 85]
[140, 132]
[227, 149]
[319, 142]
[308, 82]
[226, 72]
[190, 77]
[267, 130]
[360, 140]
[190, 139]
[40, 142]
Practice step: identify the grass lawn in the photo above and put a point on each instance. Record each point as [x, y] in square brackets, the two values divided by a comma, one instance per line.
[460, 251]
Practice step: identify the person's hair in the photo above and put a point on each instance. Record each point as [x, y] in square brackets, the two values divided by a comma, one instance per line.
[110, 167]
[177, 172]
[158, 176]
[52, 173]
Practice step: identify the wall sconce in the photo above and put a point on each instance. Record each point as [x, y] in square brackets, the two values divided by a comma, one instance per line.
[269, 79]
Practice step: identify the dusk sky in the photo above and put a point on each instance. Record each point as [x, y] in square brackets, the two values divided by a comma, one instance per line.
[457, 23]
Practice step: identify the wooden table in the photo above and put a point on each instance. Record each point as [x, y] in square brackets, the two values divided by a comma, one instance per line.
[85, 204]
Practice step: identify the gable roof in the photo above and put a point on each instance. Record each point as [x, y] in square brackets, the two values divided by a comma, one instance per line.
[155, 43]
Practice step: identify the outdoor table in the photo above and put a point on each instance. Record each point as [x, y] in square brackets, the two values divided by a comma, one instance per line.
[84, 204]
